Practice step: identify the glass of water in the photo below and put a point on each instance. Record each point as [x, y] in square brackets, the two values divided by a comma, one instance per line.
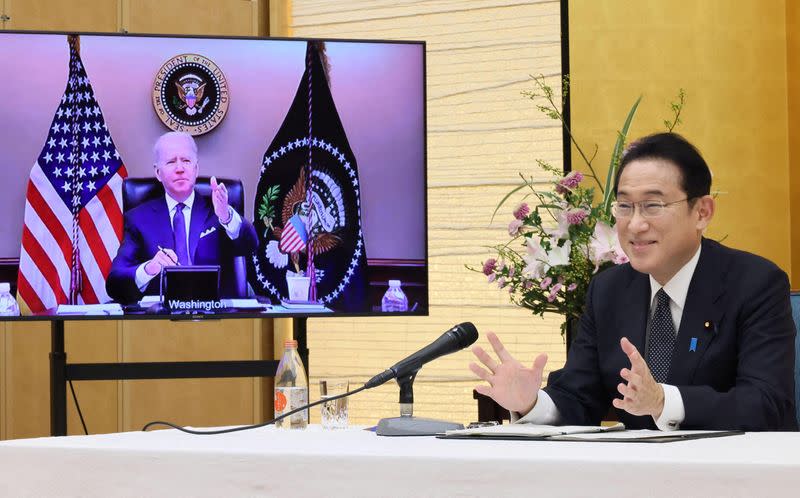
[334, 412]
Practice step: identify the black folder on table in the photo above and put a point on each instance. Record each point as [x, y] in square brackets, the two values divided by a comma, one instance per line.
[190, 283]
[588, 434]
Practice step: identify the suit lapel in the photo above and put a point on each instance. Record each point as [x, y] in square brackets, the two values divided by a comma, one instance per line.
[163, 231]
[634, 305]
[702, 314]
[201, 212]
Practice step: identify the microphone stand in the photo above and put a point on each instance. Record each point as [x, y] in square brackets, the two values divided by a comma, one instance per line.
[407, 424]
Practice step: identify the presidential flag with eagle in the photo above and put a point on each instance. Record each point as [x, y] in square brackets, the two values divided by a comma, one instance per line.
[308, 201]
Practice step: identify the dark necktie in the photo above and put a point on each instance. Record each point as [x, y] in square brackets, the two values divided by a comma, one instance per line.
[179, 231]
[662, 339]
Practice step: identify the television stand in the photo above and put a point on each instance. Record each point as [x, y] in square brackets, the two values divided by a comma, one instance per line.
[62, 372]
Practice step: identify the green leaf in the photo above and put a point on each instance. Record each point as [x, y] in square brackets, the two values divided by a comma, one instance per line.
[513, 191]
[615, 156]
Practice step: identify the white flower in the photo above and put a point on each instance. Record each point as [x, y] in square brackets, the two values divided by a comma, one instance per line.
[604, 246]
[535, 259]
[562, 230]
[558, 256]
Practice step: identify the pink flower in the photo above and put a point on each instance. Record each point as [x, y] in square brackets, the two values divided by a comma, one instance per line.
[514, 226]
[501, 282]
[522, 211]
[511, 271]
[546, 281]
[528, 285]
[554, 292]
[489, 266]
[569, 182]
[576, 216]
[571, 287]
[491, 278]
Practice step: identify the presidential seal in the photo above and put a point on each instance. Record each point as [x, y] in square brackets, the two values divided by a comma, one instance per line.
[190, 93]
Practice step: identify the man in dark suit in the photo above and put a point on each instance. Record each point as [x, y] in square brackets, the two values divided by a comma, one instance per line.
[690, 334]
[181, 228]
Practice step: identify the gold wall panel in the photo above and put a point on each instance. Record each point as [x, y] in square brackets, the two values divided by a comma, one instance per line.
[192, 17]
[59, 15]
[731, 58]
[793, 86]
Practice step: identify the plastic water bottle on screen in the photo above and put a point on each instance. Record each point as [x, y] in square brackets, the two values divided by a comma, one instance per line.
[291, 389]
[395, 299]
[8, 305]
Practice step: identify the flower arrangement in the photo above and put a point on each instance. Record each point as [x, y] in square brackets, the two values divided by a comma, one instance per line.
[560, 241]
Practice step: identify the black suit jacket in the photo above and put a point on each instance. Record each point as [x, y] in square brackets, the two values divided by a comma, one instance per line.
[148, 226]
[741, 375]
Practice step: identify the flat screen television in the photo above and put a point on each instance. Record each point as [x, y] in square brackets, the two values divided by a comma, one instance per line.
[290, 172]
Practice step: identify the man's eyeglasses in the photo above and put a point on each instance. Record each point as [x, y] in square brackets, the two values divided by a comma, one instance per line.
[648, 209]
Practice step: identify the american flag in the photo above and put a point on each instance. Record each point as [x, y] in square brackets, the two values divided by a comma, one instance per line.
[294, 235]
[73, 214]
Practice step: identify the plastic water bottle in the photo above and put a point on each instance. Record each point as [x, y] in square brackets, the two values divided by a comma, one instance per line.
[291, 389]
[8, 305]
[394, 299]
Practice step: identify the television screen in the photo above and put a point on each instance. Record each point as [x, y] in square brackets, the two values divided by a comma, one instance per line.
[282, 176]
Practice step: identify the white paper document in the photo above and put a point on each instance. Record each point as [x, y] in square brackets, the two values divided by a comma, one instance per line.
[533, 431]
[89, 309]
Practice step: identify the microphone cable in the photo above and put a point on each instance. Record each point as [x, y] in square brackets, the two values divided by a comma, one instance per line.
[254, 426]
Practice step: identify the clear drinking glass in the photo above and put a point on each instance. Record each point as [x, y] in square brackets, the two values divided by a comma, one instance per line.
[334, 413]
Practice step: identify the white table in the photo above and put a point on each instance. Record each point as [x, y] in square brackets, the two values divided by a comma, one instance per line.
[271, 462]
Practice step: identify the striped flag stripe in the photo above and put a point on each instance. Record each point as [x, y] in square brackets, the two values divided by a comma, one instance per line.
[95, 242]
[42, 262]
[87, 291]
[61, 252]
[48, 221]
[108, 195]
[32, 297]
[105, 223]
[93, 272]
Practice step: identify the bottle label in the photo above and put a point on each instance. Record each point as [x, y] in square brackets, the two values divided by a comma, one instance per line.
[291, 398]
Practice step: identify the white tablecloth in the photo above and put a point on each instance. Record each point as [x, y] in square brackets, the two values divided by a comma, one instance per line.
[271, 462]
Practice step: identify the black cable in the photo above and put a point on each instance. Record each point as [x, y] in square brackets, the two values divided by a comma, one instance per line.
[78, 406]
[254, 426]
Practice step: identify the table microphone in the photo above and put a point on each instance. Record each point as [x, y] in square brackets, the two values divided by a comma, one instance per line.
[455, 339]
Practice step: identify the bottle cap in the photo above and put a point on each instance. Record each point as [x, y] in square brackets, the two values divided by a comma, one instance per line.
[290, 344]
[5, 287]
[394, 283]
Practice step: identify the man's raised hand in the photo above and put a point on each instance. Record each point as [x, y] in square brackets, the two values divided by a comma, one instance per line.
[642, 395]
[512, 385]
[219, 197]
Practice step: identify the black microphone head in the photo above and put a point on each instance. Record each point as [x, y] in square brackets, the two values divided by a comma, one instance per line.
[465, 333]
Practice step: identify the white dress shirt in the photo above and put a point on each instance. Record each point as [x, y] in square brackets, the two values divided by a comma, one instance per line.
[674, 412]
[143, 278]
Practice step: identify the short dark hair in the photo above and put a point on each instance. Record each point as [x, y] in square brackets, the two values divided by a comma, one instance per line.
[695, 175]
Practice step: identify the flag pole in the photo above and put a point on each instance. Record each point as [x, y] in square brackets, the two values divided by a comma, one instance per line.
[75, 286]
[310, 270]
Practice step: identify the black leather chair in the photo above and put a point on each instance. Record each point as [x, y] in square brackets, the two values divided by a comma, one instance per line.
[138, 190]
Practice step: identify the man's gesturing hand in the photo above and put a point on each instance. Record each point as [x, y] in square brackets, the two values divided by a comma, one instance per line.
[219, 197]
[511, 385]
[642, 395]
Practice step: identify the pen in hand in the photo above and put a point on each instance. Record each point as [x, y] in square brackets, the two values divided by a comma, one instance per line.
[168, 255]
